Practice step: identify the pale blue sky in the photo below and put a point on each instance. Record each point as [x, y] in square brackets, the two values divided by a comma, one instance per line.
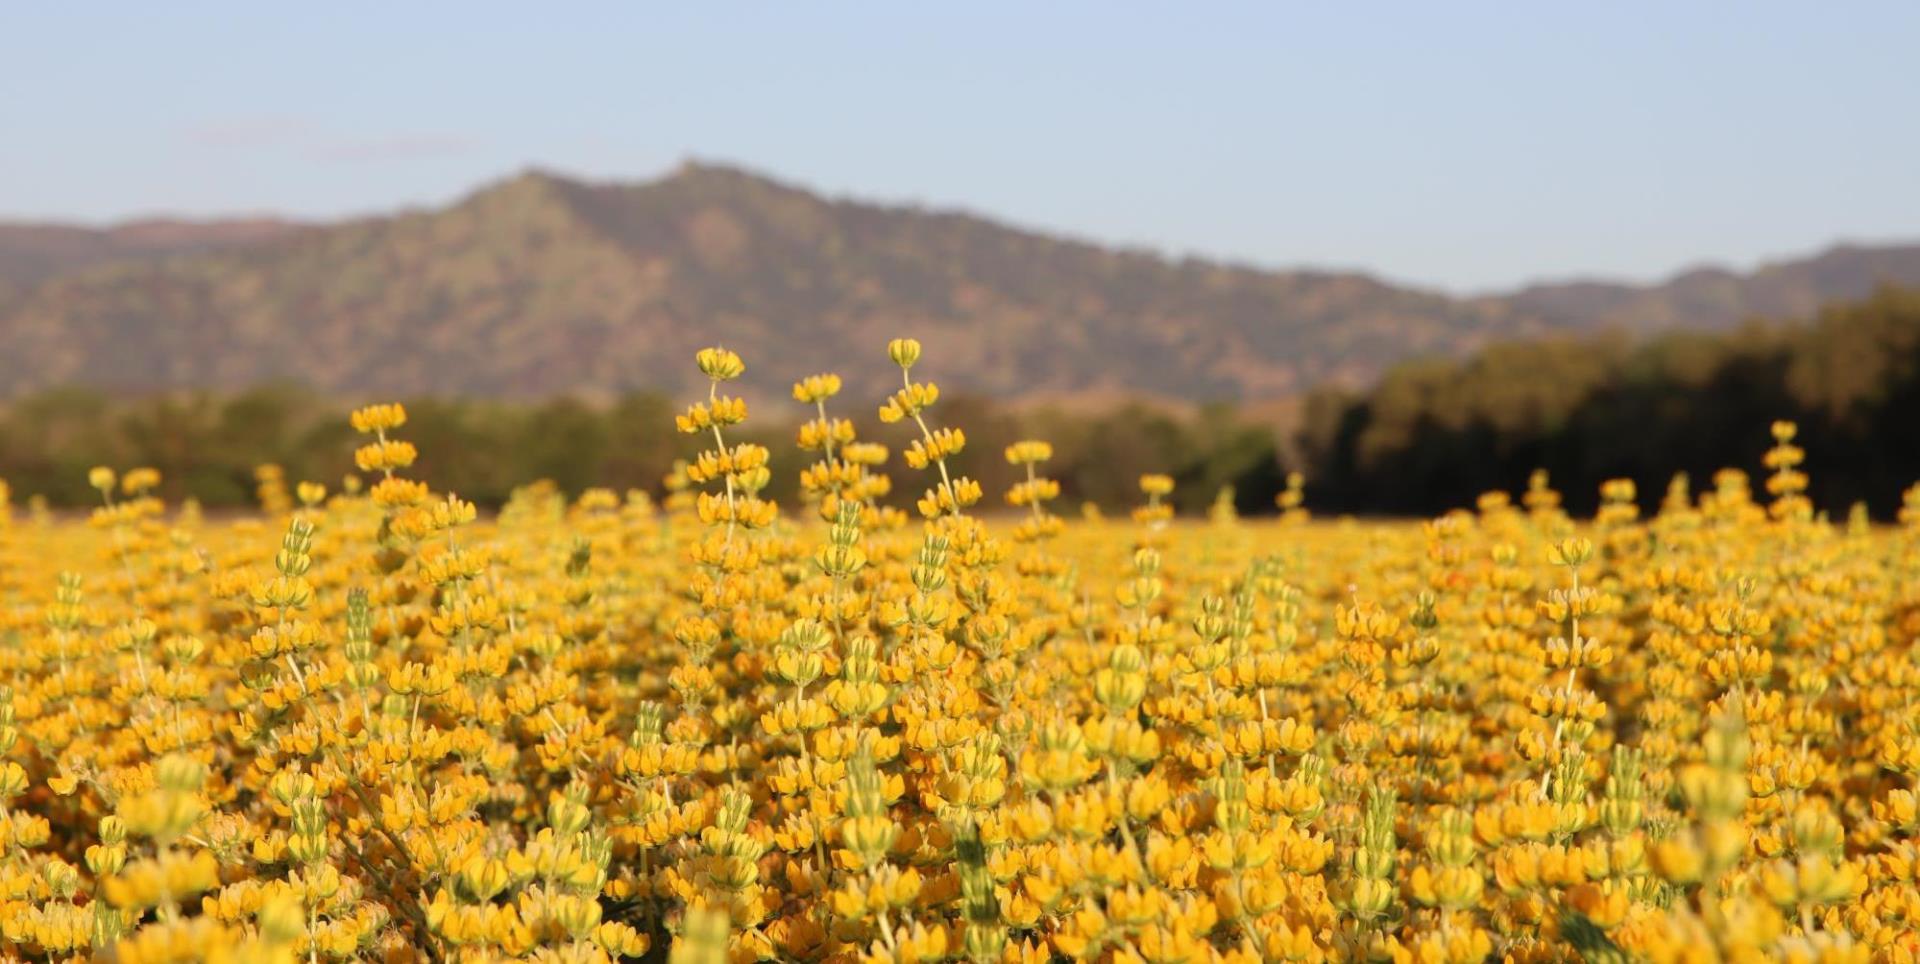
[1467, 145]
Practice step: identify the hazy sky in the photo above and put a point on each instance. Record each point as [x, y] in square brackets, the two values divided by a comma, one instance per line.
[1459, 144]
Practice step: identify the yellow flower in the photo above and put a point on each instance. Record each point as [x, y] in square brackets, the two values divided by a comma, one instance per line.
[904, 352]
[378, 418]
[719, 364]
[816, 388]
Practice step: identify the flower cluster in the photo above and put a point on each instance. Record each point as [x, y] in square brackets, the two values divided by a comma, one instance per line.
[378, 724]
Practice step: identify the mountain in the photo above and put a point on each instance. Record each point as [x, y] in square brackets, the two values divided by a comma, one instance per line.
[541, 284]
[31, 252]
[1715, 298]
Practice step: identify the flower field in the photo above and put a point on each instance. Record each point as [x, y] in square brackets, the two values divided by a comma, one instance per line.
[368, 722]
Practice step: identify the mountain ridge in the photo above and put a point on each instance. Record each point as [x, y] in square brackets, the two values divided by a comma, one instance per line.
[540, 283]
[31, 250]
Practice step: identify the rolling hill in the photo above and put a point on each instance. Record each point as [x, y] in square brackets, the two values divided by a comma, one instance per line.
[541, 285]
[31, 252]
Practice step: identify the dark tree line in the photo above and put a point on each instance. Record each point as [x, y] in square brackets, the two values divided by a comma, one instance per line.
[1434, 435]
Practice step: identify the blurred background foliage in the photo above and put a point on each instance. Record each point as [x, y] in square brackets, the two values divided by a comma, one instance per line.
[1429, 435]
